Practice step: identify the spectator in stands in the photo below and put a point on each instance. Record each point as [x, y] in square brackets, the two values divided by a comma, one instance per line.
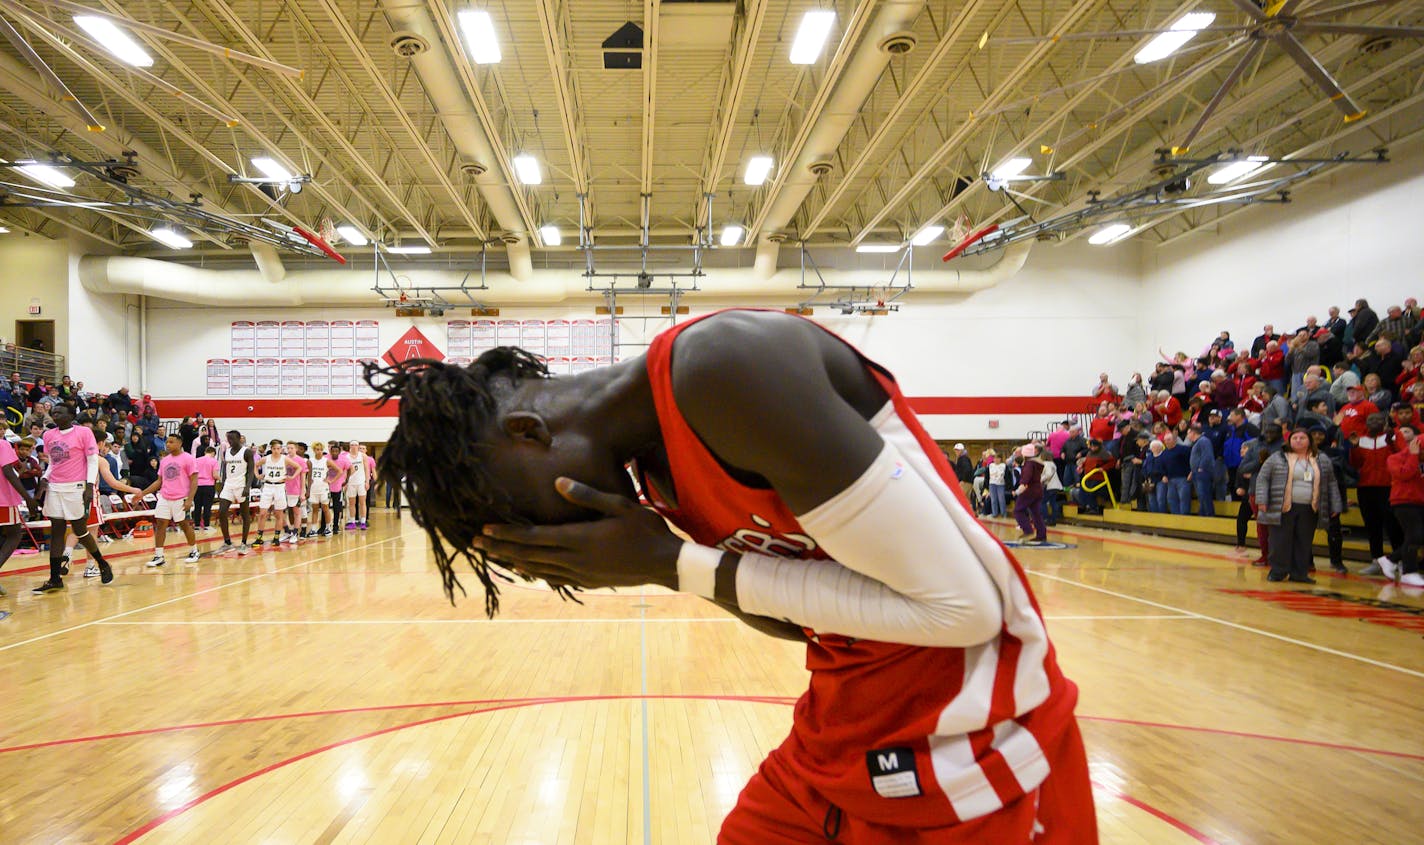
[964, 470]
[1175, 464]
[1135, 485]
[1268, 334]
[1315, 414]
[1406, 499]
[1253, 454]
[39, 391]
[142, 458]
[1052, 489]
[1201, 471]
[1295, 493]
[1375, 392]
[1255, 402]
[1215, 432]
[1028, 498]
[1238, 432]
[120, 401]
[147, 405]
[1336, 324]
[1223, 390]
[1363, 321]
[16, 384]
[1331, 351]
[1401, 414]
[1095, 458]
[1105, 391]
[38, 416]
[1369, 454]
[1057, 438]
[1277, 411]
[1395, 326]
[51, 398]
[1152, 489]
[1273, 366]
[1357, 409]
[1162, 379]
[1411, 369]
[1135, 392]
[1304, 353]
[1103, 425]
[1073, 449]
[998, 471]
[30, 469]
[188, 433]
[1344, 378]
[1390, 361]
[1329, 449]
[1167, 409]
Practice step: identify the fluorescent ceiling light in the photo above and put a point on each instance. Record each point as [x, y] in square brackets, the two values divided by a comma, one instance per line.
[115, 40]
[878, 248]
[3, 230]
[1010, 169]
[526, 167]
[478, 27]
[927, 235]
[46, 175]
[170, 238]
[732, 234]
[758, 168]
[1109, 234]
[409, 250]
[352, 235]
[1169, 42]
[272, 169]
[1237, 169]
[550, 235]
[811, 36]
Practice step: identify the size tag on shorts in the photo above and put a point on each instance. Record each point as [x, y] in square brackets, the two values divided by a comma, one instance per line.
[892, 772]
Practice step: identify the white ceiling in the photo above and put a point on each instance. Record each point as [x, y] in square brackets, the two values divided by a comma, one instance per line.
[716, 88]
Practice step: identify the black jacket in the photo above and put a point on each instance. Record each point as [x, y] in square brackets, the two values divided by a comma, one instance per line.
[963, 468]
[1362, 325]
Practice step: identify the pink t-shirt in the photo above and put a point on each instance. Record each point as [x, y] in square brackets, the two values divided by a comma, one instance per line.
[295, 481]
[69, 453]
[176, 472]
[9, 496]
[337, 476]
[207, 471]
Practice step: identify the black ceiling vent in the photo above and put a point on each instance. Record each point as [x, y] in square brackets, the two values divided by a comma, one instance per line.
[623, 50]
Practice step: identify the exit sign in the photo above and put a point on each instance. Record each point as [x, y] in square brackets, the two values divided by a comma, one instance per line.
[34, 309]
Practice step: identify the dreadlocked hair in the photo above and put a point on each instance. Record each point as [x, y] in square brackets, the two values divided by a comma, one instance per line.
[435, 450]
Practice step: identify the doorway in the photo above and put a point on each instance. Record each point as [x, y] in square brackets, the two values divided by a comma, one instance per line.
[35, 334]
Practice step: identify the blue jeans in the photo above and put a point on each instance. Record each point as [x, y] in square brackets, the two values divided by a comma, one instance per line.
[996, 500]
[1158, 504]
[1179, 495]
[1052, 506]
[1205, 488]
[1070, 474]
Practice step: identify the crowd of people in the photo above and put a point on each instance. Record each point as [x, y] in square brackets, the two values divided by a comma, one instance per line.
[67, 456]
[1285, 427]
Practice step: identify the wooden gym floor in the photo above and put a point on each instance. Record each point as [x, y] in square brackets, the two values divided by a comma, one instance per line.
[329, 694]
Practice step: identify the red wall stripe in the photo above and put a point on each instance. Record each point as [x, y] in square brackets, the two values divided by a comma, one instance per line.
[270, 408]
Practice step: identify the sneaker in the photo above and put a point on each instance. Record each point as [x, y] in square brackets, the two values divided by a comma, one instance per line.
[244, 550]
[1412, 579]
[1303, 579]
[50, 586]
[351, 526]
[106, 572]
[1372, 569]
[1274, 577]
[1260, 561]
[272, 543]
[91, 571]
[193, 556]
[226, 548]
[363, 525]
[157, 561]
[1390, 568]
[326, 532]
[1339, 569]
[64, 565]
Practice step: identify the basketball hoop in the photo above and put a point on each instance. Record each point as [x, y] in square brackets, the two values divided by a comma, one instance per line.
[327, 230]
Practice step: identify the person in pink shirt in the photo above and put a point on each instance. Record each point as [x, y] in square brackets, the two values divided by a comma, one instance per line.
[69, 493]
[207, 488]
[337, 482]
[12, 495]
[176, 484]
[296, 493]
[370, 464]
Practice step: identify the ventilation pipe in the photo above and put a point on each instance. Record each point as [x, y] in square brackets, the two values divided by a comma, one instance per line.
[887, 36]
[415, 36]
[269, 263]
[197, 286]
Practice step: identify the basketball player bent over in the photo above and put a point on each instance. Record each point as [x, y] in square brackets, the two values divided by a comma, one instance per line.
[820, 510]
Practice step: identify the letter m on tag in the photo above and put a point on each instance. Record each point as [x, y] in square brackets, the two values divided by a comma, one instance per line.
[892, 772]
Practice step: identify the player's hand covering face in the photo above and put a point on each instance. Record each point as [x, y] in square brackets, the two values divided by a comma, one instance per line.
[627, 546]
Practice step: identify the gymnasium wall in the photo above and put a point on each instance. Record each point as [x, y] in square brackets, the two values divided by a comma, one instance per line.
[1355, 233]
[1018, 354]
[34, 268]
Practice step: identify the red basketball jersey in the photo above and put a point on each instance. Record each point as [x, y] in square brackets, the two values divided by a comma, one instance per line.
[895, 734]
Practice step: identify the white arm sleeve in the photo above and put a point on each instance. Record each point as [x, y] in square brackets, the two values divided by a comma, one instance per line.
[91, 468]
[903, 571]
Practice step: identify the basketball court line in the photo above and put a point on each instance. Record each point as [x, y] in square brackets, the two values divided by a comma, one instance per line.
[1202, 616]
[185, 596]
[582, 620]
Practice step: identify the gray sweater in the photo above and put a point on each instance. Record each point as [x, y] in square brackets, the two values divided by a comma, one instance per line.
[1271, 490]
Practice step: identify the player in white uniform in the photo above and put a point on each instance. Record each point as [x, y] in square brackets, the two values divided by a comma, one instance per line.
[274, 472]
[239, 476]
[320, 492]
[355, 486]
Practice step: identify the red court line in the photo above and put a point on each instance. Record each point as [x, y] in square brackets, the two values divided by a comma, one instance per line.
[155, 822]
[379, 708]
[114, 556]
[1248, 735]
[1148, 808]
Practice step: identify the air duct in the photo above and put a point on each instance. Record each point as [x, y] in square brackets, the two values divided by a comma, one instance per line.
[269, 262]
[197, 286]
[886, 37]
[413, 27]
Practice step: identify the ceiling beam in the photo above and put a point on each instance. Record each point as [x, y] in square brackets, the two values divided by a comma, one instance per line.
[557, 29]
[735, 71]
[971, 123]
